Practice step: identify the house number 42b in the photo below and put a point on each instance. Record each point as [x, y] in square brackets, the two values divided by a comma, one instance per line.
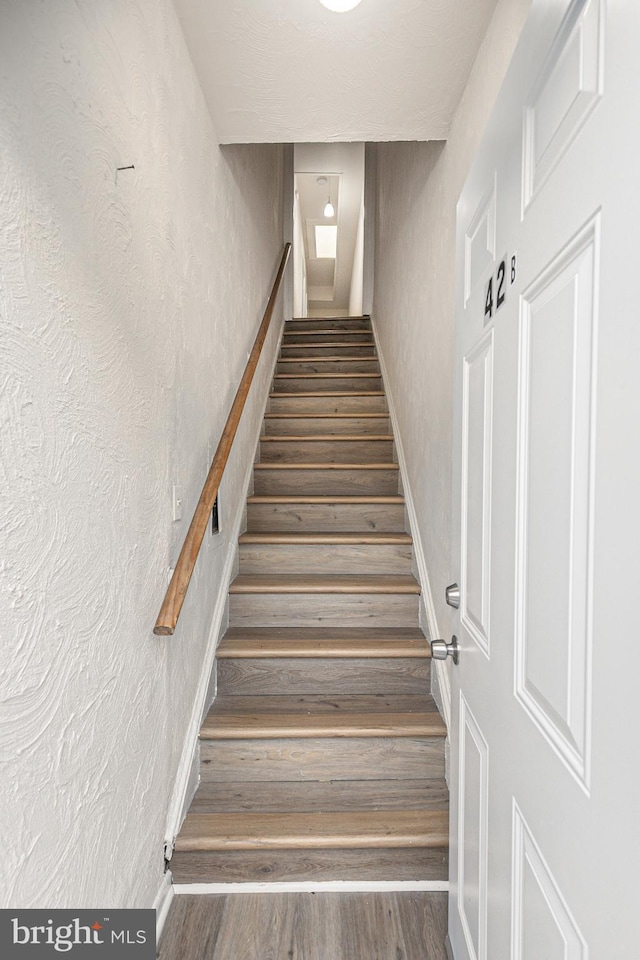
[496, 291]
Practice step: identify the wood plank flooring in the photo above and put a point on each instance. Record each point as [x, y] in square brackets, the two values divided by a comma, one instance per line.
[306, 926]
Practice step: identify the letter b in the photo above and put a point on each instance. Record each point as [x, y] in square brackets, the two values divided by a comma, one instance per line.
[18, 931]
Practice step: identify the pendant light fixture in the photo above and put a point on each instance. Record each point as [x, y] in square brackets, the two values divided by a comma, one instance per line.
[340, 6]
[329, 210]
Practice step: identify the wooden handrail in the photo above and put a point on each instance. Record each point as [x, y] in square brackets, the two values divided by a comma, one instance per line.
[174, 597]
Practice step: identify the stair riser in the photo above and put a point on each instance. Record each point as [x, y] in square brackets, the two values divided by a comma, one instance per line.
[327, 676]
[362, 365]
[334, 348]
[312, 558]
[302, 384]
[326, 336]
[249, 797]
[322, 758]
[336, 482]
[290, 403]
[306, 426]
[314, 517]
[328, 323]
[313, 610]
[317, 865]
[326, 451]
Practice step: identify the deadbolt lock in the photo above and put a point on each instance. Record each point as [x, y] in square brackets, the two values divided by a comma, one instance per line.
[452, 595]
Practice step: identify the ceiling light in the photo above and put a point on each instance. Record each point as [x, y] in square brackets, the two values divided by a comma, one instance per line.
[340, 6]
[322, 181]
[329, 210]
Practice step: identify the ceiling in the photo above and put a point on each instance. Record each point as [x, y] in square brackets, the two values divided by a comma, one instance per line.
[291, 71]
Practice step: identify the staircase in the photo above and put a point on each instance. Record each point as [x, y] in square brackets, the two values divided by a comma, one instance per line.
[322, 757]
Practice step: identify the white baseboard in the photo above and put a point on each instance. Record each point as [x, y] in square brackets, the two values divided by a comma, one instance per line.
[162, 904]
[441, 672]
[311, 886]
[182, 792]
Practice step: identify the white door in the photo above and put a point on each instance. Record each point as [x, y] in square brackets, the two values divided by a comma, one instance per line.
[545, 782]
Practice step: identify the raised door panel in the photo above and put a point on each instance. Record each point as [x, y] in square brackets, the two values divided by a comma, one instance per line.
[472, 834]
[477, 418]
[566, 92]
[480, 242]
[555, 488]
[542, 924]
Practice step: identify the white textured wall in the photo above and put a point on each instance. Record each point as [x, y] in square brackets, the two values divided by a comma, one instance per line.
[127, 310]
[418, 188]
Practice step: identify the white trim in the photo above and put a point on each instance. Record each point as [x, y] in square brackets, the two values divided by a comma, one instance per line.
[313, 886]
[442, 670]
[162, 904]
[180, 798]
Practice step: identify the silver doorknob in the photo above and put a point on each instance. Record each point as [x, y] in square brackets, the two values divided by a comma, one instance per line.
[452, 595]
[440, 650]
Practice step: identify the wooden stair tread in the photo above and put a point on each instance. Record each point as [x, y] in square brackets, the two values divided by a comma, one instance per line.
[346, 583]
[347, 316]
[328, 538]
[327, 359]
[265, 726]
[328, 393]
[328, 344]
[297, 465]
[325, 437]
[326, 500]
[361, 634]
[292, 830]
[326, 376]
[326, 325]
[324, 331]
[349, 648]
[327, 416]
[326, 322]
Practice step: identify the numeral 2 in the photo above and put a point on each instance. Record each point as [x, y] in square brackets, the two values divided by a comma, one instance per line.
[500, 275]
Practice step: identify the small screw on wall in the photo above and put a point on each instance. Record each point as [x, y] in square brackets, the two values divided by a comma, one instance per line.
[118, 169]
